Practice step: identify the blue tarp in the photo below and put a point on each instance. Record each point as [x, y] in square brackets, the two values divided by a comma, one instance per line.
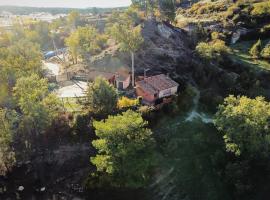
[51, 54]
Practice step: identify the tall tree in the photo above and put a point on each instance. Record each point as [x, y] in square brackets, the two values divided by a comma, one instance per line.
[130, 40]
[147, 6]
[101, 97]
[167, 9]
[245, 125]
[17, 60]
[125, 149]
[73, 19]
[37, 105]
[73, 44]
[7, 156]
[20, 59]
[86, 41]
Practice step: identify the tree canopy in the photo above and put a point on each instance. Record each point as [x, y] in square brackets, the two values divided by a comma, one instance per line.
[125, 149]
[101, 96]
[7, 156]
[245, 125]
[129, 38]
[85, 41]
[38, 106]
[215, 49]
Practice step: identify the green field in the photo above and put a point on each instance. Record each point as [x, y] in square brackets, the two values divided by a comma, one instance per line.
[240, 54]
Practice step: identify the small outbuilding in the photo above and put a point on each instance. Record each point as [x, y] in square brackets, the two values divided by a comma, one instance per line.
[122, 80]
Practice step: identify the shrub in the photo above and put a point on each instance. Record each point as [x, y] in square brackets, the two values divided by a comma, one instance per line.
[265, 29]
[216, 35]
[216, 49]
[125, 102]
[266, 52]
[256, 49]
[261, 9]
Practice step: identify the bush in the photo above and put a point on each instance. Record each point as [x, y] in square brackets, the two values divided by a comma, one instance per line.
[216, 49]
[265, 29]
[261, 9]
[125, 102]
[266, 52]
[256, 49]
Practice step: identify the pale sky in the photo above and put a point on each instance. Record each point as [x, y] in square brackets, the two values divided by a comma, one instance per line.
[67, 3]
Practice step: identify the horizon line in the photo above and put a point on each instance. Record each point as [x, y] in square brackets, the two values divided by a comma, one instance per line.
[61, 7]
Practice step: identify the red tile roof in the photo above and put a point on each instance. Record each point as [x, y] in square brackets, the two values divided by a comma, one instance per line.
[146, 87]
[157, 83]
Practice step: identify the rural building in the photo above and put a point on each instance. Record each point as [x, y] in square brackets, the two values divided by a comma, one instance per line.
[155, 88]
[122, 80]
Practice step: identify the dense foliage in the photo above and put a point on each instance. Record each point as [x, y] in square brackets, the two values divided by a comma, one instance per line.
[125, 150]
[125, 102]
[256, 49]
[245, 124]
[7, 156]
[215, 49]
[101, 97]
[84, 42]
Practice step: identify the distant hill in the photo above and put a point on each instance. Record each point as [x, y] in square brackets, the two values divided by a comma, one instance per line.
[27, 10]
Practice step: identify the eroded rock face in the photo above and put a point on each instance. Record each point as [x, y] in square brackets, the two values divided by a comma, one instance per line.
[165, 49]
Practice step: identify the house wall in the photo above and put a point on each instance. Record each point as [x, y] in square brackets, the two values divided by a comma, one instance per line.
[126, 82]
[64, 77]
[168, 92]
[146, 96]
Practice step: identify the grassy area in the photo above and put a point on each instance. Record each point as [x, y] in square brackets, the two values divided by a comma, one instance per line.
[190, 152]
[241, 54]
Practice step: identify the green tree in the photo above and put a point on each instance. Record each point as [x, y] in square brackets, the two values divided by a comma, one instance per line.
[245, 125]
[5, 37]
[86, 41]
[266, 52]
[73, 45]
[17, 60]
[167, 9]
[125, 149]
[261, 9]
[130, 40]
[37, 105]
[7, 156]
[101, 97]
[256, 49]
[20, 59]
[73, 19]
